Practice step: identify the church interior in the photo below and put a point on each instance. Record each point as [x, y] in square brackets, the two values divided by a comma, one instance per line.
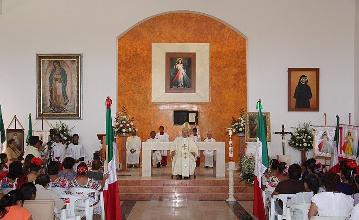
[231, 109]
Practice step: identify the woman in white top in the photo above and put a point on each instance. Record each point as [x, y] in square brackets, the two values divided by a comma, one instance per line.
[331, 203]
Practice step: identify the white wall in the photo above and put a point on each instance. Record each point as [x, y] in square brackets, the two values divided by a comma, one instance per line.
[356, 63]
[281, 34]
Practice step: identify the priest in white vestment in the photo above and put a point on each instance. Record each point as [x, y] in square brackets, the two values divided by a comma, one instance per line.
[133, 149]
[58, 149]
[156, 154]
[162, 136]
[184, 155]
[208, 154]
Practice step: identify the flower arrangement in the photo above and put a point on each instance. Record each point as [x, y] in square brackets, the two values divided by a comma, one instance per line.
[247, 168]
[302, 137]
[124, 124]
[238, 125]
[64, 131]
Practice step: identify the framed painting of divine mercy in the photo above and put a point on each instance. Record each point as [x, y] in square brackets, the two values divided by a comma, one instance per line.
[59, 86]
[180, 72]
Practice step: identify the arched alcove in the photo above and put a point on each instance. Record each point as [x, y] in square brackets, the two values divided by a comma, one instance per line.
[227, 71]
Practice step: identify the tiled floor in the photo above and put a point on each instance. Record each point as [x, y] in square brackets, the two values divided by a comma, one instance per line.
[194, 210]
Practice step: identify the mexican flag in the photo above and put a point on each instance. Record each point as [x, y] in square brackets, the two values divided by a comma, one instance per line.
[111, 191]
[29, 132]
[261, 164]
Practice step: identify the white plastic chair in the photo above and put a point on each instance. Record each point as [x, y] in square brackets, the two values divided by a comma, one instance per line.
[328, 218]
[102, 204]
[299, 211]
[286, 212]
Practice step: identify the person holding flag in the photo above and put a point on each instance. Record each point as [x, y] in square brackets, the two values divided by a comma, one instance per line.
[261, 164]
[111, 189]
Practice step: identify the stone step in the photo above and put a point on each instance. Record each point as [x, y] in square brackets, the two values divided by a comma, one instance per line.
[170, 182]
[183, 196]
[183, 189]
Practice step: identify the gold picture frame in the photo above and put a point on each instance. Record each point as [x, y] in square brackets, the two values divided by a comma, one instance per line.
[59, 87]
[251, 126]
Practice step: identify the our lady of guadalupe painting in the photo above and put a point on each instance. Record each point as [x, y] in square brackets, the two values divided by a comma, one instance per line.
[180, 72]
[59, 86]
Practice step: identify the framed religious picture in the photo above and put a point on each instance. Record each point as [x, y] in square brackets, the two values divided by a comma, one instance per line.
[176, 70]
[18, 136]
[180, 72]
[252, 126]
[303, 89]
[59, 86]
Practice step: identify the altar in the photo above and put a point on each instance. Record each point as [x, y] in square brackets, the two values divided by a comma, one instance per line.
[218, 147]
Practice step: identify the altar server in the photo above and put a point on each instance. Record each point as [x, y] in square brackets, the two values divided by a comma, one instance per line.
[75, 149]
[196, 138]
[133, 149]
[208, 154]
[34, 147]
[162, 136]
[58, 149]
[156, 154]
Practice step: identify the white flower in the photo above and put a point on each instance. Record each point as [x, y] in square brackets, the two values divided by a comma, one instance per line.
[240, 129]
[123, 130]
[129, 129]
[127, 125]
[305, 144]
[121, 125]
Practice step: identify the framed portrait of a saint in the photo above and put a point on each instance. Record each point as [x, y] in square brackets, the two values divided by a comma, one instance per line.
[180, 72]
[252, 126]
[303, 89]
[59, 86]
[17, 138]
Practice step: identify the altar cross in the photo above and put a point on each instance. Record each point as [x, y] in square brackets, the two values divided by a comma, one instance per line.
[283, 133]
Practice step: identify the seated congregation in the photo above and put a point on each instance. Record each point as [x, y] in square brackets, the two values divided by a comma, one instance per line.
[55, 174]
[308, 191]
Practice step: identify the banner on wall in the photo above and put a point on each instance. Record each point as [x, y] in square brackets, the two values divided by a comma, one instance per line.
[324, 141]
[349, 142]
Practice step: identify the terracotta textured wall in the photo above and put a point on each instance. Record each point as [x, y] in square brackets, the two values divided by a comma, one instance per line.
[228, 86]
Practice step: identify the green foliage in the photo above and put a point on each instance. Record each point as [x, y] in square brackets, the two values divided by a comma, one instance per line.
[302, 137]
[247, 168]
[64, 131]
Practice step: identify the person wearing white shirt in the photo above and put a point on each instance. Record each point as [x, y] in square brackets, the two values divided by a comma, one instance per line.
[156, 155]
[331, 203]
[34, 146]
[57, 149]
[208, 154]
[133, 149]
[196, 138]
[76, 150]
[162, 136]
[43, 193]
